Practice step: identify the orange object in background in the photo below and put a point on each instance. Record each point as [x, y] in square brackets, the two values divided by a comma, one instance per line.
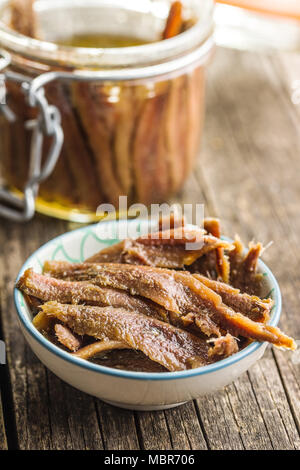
[283, 8]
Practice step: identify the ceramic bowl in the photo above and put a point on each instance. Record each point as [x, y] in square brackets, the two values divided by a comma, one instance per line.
[125, 389]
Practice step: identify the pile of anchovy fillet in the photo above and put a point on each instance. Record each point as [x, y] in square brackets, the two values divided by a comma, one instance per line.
[181, 308]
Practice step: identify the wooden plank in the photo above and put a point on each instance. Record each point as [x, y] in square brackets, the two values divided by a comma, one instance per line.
[16, 350]
[3, 389]
[271, 398]
[73, 417]
[153, 431]
[184, 428]
[118, 427]
[250, 173]
[3, 438]
[232, 419]
[219, 423]
[290, 377]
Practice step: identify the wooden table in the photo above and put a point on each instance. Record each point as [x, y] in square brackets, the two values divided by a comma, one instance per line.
[249, 176]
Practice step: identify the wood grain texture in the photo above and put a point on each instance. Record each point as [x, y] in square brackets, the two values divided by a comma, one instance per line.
[3, 438]
[248, 175]
[118, 428]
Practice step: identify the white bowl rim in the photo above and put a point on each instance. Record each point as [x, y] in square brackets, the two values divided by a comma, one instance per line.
[52, 348]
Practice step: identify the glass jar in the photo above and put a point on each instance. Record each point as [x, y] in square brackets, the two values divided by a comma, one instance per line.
[131, 117]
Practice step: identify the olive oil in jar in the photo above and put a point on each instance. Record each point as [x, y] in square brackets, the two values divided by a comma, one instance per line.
[101, 41]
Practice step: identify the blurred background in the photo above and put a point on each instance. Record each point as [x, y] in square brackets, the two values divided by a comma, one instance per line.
[258, 24]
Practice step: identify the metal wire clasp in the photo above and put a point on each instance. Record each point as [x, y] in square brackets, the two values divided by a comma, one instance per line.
[48, 123]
